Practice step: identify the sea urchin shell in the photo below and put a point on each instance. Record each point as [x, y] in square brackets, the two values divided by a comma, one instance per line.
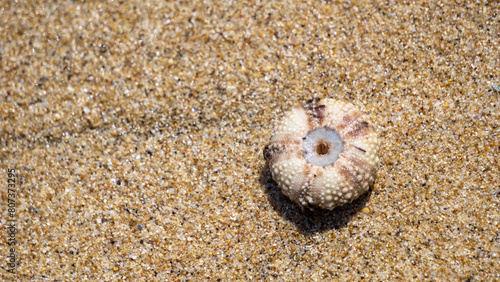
[323, 154]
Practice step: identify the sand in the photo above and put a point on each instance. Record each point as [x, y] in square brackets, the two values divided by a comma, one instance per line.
[136, 133]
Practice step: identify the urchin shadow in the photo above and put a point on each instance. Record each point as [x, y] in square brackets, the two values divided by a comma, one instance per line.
[309, 222]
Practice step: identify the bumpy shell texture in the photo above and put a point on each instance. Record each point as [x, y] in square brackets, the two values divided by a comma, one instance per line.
[323, 154]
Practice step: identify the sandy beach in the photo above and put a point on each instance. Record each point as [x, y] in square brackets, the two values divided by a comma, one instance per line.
[132, 138]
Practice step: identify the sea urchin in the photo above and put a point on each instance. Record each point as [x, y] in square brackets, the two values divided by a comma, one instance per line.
[323, 154]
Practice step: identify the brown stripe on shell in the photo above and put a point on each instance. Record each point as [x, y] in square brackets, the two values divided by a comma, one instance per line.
[358, 162]
[297, 195]
[315, 112]
[358, 129]
[306, 170]
[313, 174]
[276, 151]
[348, 119]
[290, 140]
[306, 184]
[348, 176]
[345, 169]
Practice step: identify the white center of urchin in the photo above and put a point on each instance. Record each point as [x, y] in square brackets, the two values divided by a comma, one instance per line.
[322, 146]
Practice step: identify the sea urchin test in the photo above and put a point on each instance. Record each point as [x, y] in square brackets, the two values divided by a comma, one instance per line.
[323, 154]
